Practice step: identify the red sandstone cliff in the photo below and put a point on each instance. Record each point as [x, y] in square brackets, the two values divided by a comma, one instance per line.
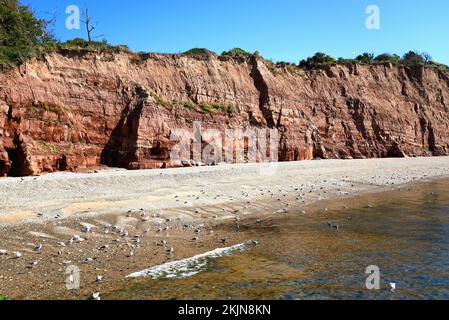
[74, 110]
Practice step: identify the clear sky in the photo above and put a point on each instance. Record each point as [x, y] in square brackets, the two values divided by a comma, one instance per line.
[282, 30]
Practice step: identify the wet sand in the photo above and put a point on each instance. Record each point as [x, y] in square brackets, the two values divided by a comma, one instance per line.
[131, 212]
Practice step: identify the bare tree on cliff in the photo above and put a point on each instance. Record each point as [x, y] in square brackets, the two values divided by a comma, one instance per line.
[90, 27]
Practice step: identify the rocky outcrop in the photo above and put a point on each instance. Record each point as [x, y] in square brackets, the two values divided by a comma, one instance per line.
[74, 111]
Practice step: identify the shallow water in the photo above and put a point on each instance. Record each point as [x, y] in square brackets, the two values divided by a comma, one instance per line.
[405, 233]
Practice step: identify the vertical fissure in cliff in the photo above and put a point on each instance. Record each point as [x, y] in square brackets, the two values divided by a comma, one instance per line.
[120, 150]
[264, 97]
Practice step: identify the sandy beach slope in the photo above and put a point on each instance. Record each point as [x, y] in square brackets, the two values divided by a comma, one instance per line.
[184, 190]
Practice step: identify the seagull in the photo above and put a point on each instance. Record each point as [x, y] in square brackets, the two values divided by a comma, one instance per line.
[195, 239]
[77, 239]
[88, 260]
[38, 247]
[223, 240]
[87, 228]
[61, 244]
[96, 296]
[124, 234]
[17, 254]
[169, 250]
[393, 286]
[3, 252]
[34, 263]
[99, 278]
[255, 242]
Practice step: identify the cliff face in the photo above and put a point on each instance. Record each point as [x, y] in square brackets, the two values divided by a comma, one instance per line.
[75, 111]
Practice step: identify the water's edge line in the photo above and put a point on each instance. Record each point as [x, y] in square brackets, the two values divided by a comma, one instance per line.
[179, 264]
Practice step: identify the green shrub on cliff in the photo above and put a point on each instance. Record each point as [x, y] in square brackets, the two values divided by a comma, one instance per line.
[220, 106]
[160, 101]
[3, 298]
[236, 53]
[188, 105]
[21, 33]
[198, 53]
[365, 58]
[206, 107]
[412, 58]
[386, 57]
[319, 60]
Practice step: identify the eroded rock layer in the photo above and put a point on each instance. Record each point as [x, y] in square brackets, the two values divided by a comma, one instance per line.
[73, 111]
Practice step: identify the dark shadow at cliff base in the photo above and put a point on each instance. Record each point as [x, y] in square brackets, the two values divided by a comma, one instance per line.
[121, 149]
[19, 162]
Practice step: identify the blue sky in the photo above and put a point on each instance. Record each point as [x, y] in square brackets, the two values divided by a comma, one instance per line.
[282, 30]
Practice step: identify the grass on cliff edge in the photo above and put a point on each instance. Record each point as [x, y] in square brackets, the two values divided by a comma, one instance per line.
[23, 36]
[3, 298]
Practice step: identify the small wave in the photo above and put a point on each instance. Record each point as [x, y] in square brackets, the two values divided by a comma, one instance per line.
[187, 267]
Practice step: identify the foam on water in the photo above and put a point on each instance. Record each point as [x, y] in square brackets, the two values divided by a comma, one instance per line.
[187, 267]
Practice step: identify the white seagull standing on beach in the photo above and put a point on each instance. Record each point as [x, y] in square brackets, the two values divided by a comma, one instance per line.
[77, 239]
[393, 286]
